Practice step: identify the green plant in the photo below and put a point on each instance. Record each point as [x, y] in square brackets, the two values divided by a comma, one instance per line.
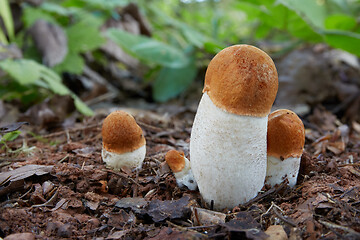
[28, 72]
[8, 137]
[330, 21]
[184, 36]
[5, 15]
[11, 136]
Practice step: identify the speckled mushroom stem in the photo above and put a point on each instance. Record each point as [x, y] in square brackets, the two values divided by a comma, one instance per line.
[237, 148]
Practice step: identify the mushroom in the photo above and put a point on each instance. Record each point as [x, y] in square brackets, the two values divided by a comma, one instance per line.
[180, 166]
[228, 138]
[123, 141]
[285, 144]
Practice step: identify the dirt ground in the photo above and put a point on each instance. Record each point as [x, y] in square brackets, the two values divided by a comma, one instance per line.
[58, 187]
[53, 183]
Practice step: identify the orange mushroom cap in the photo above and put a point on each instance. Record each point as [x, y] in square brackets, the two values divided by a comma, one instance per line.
[286, 134]
[243, 80]
[121, 133]
[175, 160]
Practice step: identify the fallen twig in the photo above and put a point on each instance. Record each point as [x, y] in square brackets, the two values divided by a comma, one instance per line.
[336, 226]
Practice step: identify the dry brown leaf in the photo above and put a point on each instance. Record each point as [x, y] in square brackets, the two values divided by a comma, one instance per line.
[25, 172]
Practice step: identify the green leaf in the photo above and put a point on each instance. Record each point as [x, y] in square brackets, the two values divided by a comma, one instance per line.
[312, 11]
[6, 16]
[72, 63]
[194, 37]
[87, 17]
[340, 22]
[148, 49]
[172, 81]
[108, 4]
[252, 10]
[10, 136]
[299, 28]
[212, 47]
[55, 8]
[3, 37]
[31, 15]
[347, 41]
[83, 37]
[23, 71]
[81, 106]
[53, 81]
[27, 72]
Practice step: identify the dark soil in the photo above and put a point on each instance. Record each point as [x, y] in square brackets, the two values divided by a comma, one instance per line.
[77, 197]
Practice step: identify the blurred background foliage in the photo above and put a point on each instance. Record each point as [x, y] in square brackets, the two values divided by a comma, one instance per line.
[173, 40]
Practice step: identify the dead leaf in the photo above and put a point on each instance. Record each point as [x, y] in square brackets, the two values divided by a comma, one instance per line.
[161, 210]
[51, 41]
[47, 186]
[324, 119]
[175, 234]
[51, 112]
[85, 152]
[118, 234]
[61, 204]
[353, 171]
[121, 218]
[203, 217]
[276, 232]
[23, 236]
[136, 204]
[244, 226]
[37, 196]
[92, 200]
[25, 172]
[133, 10]
[12, 127]
[304, 78]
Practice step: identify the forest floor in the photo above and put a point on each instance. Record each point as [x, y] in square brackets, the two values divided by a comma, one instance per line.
[58, 187]
[54, 184]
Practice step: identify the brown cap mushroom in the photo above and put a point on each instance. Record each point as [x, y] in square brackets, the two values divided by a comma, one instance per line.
[243, 80]
[285, 144]
[123, 141]
[286, 134]
[175, 160]
[180, 166]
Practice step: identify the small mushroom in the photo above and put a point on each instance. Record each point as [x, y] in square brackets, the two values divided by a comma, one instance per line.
[228, 138]
[123, 141]
[180, 166]
[285, 144]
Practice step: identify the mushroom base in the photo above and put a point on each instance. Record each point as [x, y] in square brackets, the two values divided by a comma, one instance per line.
[278, 171]
[228, 155]
[185, 177]
[131, 160]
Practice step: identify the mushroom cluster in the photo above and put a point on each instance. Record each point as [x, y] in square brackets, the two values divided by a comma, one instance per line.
[235, 144]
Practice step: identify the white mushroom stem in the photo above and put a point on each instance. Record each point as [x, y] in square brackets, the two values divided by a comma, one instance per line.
[236, 145]
[131, 160]
[185, 177]
[278, 170]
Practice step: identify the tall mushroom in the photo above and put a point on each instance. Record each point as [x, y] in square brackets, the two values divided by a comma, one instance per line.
[285, 144]
[123, 141]
[228, 138]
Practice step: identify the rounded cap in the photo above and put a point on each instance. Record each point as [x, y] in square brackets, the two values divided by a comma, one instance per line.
[121, 133]
[175, 160]
[286, 135]
[243, 80]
